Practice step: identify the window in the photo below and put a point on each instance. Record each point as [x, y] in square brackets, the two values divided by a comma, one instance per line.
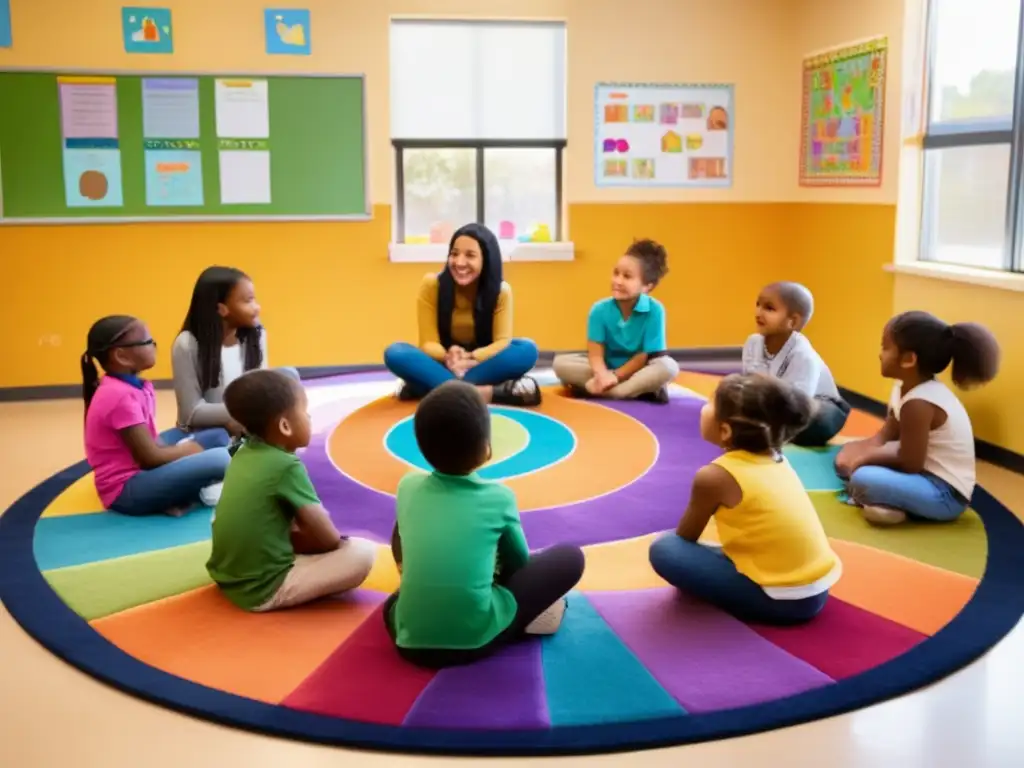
[974, 141]
[478, 127]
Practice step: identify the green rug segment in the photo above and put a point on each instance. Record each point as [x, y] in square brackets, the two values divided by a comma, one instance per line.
[508, 438]
[99, 589]
[960, 546]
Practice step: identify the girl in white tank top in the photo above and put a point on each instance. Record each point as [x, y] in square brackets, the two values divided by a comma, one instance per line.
[921, 462]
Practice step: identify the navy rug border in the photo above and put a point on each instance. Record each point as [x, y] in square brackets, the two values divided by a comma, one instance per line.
[992, 612]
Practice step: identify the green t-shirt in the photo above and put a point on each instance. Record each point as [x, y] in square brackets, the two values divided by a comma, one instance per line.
[453, 530]
[252, 546]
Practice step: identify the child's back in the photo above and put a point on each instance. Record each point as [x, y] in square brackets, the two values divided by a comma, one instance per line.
[454, 529]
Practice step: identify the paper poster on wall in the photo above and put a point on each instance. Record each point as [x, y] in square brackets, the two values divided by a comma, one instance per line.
[91, 151]
[174, 172]
[147, 30]
[6, 38]
[287, 31]
[843, 116]
[663, 135]
[244, 171]
[170, 108]
[243, 127]
[243, 109]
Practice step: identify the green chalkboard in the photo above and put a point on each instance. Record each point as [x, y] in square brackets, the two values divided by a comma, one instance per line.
[106, 147]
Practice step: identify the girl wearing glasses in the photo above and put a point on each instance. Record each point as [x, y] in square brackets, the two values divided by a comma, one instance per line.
[137, 471]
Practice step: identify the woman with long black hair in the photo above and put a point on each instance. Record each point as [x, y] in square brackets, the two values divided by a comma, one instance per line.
[465, 328]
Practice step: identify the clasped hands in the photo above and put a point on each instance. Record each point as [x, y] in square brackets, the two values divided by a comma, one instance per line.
[601, 382]
[458, 361]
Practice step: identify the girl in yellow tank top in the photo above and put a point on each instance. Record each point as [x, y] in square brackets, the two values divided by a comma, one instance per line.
[775, 565]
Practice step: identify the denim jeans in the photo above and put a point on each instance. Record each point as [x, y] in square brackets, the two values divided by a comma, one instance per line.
[422, 372]
[706, 573]
[177, 483]
[919, 495]
[829, 418]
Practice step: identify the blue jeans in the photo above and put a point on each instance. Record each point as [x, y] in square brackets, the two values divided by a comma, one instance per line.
[706, 573]
[422, 372]
[177, 483]
[919, 495]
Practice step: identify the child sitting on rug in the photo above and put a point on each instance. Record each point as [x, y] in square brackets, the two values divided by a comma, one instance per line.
[221, 339]
[452, 529]
[274, 545]
[780, 349]
[921, 462]
[775, 565]
[135, 471]
[626, 344]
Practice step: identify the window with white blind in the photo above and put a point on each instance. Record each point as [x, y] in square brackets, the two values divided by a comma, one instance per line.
[478, 127]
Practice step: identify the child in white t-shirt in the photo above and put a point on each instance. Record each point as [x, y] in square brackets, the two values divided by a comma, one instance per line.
[921, 463]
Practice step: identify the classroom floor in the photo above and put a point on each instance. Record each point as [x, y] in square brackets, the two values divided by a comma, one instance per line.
[51, 714]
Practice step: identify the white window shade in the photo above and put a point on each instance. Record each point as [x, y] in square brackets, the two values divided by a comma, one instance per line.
[477, 80]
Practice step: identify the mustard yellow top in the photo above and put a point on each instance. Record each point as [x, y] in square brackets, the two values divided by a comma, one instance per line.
[463, 326]
[774, 536]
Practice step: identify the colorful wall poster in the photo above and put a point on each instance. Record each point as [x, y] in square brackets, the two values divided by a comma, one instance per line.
[843, 116]
[6, 38]
[91, 152]
[287, 31]
[174, 172]
[170, 108]
[147, 30]
[663, 135]
[243, 130]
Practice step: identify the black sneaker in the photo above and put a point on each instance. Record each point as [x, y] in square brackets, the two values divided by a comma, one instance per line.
[524, 392]
[405, 393]
[660, 396]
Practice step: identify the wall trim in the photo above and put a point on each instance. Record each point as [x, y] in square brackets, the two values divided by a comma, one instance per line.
[984, 450]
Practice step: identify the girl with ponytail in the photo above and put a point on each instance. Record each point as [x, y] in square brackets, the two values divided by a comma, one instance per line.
[921, 462]
[137, 473]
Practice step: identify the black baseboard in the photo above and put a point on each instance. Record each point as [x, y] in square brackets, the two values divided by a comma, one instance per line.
[984, 450]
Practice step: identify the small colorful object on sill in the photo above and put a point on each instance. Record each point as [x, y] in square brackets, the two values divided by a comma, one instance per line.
[441, 231]
[538, 233]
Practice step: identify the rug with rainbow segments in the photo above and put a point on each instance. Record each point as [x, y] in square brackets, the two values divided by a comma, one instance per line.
[634, 665]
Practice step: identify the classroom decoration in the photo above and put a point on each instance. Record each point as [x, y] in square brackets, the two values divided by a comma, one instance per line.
[843, 116]
[661, 135]
[147, 30]
[109, 148]
[287, 31]
[6, 38]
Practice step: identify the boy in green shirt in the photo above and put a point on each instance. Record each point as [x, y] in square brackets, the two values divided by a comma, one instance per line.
[269, 511]
[469, 583]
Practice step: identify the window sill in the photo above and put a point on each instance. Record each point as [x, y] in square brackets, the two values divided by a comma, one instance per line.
[511, 250]
[1006, 281]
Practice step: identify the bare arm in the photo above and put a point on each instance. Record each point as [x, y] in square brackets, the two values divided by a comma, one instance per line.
[149, 454]
[916, 422]
[315, 524]
[631, 366]
[396, 546]
[595, 356]
[713, 487]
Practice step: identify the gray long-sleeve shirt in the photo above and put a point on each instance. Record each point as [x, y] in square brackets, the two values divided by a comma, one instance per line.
[198, 409]
[797, 364]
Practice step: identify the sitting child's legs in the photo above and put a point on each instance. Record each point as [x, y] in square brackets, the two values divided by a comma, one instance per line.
[573, 369]
[828, 420]
[659, 372]
[547, 577]
[706, 573]
[919, 495]
[316, 576]
[174, 485]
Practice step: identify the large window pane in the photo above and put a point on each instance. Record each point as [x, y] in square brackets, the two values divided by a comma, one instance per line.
[965, 195]
[439, 193]
[974, 58]
[520, 194]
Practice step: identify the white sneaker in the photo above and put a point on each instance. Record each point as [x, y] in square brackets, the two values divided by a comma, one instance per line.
[549, 621]
[210, 495]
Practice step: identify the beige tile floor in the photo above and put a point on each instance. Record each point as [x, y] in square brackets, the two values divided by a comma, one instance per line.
[53, 715]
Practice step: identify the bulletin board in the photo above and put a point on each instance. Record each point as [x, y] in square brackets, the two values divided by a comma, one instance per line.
[79, 147]
[661, 135]
[843, 116]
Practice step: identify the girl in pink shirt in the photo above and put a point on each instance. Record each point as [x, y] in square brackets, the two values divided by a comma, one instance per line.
[136, 472]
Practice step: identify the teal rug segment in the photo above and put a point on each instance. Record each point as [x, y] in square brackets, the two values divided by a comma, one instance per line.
[592, 677]
[78, 539]
[815, 466]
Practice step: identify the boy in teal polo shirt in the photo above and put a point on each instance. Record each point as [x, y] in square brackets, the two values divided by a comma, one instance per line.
[626, 345]
[469, 583]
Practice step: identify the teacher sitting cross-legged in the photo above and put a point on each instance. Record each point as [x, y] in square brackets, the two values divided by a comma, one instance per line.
[465, 328]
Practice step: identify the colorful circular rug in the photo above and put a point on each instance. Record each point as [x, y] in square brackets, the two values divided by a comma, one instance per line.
[634, 665]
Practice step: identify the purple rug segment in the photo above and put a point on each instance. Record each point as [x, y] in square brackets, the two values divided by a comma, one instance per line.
[654, 502]
[705, 658]
[505, 691]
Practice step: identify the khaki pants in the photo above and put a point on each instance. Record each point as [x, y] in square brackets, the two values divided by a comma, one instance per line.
[315, 576]
[574, 370]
